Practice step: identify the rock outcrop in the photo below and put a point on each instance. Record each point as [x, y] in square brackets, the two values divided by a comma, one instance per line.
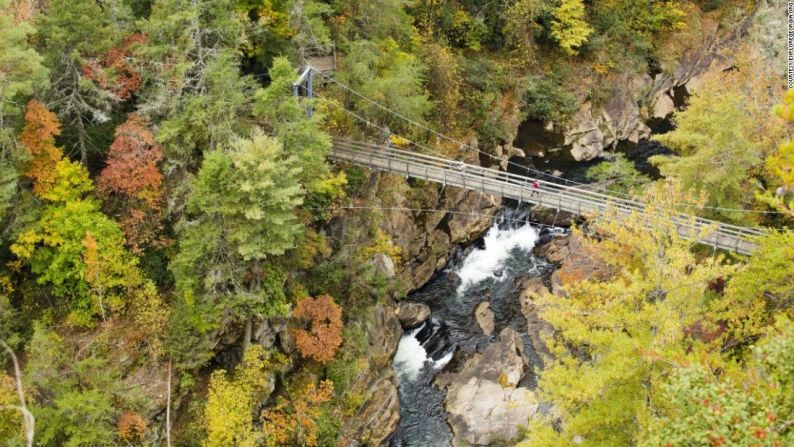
[377, 418]
[412, 315]
[485, 405]
[576, 262]
[625, 115]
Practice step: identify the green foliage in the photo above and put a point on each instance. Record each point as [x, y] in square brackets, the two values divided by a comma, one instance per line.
[546, 99]
[621, 172]
[569, 27]
[78, 395]
[55, 246]
[189, 340]
[300, 135]
[242, 211]
[21, 71]
[745, 407]
[617, 336]
[390, 76]
[71, 34]
[195, 86]
[715, 153]
[762, 289]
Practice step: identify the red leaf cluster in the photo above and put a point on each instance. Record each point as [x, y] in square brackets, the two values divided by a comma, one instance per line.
[131, 185]
[113, 71]
[324, 336]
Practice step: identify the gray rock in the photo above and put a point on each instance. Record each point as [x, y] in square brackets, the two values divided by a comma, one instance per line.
[484, 404]
[485, 318]
[537, 329]
[377, 418]
[412, 315]
[265, 335]
[383, 263]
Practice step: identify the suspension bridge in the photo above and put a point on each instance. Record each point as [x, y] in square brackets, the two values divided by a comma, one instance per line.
[578, 199]
[573, 199]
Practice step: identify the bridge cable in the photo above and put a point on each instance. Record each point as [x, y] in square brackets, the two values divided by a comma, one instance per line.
[494, 157]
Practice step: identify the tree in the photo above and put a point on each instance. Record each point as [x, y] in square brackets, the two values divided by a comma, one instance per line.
[21, 405]
[781, 165]
[196, 92]
[751, 405]
[76, 392]
[131, 184]
[228, 415]
[723, 136]
[241, 212]
[55, 245]
[21, 70]
[618, 336]
[569, 27]
[113, 71]
[38, 139]
[324, 336]
[293, 418]
[621, 174]
[760, 291]
[73, 33]
[301, 135]
[384, 73]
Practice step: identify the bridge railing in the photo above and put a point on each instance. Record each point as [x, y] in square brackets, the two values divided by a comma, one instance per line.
[517, 186]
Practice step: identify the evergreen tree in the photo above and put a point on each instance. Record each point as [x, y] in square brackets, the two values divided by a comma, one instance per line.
[301, 135]
[241, 212]
[193, 85]
[73, 32]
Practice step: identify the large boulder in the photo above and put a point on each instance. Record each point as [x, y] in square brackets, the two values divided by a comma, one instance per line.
[484, 403]
[485, 317]
[576, 260]
[412, 315]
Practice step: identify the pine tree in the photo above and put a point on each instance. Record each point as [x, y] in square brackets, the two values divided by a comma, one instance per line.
[72, 34]
[196, 92]
[242, 212]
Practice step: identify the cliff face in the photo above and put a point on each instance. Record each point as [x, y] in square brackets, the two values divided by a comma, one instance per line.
[631, 111]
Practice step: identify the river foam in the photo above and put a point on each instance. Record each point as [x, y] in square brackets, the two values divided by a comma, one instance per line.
[483, 263]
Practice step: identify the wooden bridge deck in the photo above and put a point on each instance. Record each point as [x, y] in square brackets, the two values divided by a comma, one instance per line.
[575, 200]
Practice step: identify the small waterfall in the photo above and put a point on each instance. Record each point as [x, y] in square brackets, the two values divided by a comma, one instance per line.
[491, 270]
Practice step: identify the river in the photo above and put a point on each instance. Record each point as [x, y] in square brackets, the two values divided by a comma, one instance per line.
[491, 269]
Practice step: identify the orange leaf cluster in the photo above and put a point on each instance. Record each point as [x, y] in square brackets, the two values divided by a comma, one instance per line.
[324, 336]
[131, 427]
[132, 176]
[294, 419]
[38, 138]
[113, 71]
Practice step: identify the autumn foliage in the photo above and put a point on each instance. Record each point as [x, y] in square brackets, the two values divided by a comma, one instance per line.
[38, 138]
[113, 71]
[132, 427]
[294, 419]
[131, 183]
[324, 335]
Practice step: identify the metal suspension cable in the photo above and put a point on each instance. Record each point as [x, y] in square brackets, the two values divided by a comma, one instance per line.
[493, 157]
